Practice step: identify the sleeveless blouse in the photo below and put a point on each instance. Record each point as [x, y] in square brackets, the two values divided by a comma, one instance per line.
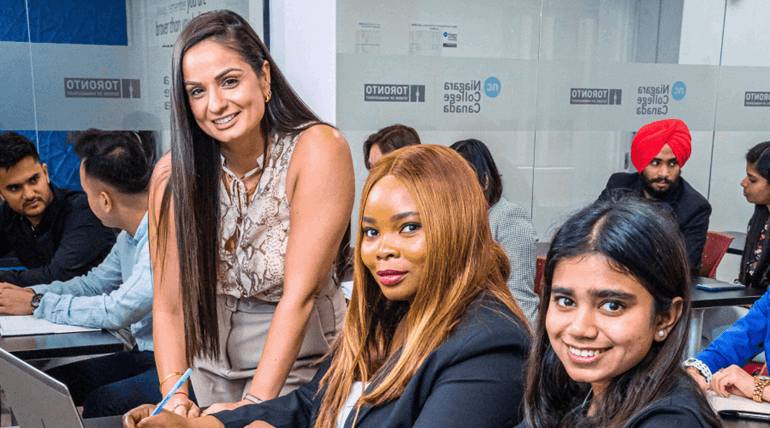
[255, 229]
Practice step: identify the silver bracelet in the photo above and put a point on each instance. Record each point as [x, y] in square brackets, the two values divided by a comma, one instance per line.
[253, 399]
[700, 366]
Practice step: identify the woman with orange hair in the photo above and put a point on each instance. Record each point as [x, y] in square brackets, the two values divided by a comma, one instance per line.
[432, 337]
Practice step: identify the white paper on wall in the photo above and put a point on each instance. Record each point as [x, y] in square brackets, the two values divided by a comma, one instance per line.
[432, 39]
[367, 38]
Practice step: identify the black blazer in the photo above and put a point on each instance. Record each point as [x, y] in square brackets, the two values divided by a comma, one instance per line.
[678, 410]
[69, 241]
[690, 208]
[474, 379]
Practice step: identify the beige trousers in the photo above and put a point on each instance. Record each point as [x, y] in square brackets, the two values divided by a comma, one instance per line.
[243, 325]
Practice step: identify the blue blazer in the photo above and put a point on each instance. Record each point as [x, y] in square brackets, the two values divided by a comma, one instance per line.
[474, 379]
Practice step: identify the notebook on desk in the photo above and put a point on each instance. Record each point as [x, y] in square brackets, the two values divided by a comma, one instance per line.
[40, 401]
[25, 325]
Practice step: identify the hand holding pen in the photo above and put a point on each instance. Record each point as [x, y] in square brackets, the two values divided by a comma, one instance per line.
[173, 391]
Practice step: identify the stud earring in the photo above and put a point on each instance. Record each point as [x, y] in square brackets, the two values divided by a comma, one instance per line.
[661, 334]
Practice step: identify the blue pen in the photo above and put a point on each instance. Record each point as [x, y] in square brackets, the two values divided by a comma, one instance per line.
[171, 393]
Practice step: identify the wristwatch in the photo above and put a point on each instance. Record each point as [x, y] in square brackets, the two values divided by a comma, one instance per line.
[35, 303]
[760, 382]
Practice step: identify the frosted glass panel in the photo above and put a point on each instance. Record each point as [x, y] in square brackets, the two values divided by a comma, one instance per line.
[17, 110]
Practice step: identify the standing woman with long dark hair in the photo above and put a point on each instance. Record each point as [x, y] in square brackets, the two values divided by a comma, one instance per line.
[246, 214]
[613, 325]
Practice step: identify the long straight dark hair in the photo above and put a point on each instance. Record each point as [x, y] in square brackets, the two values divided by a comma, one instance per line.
[639, 239]
[196, 169]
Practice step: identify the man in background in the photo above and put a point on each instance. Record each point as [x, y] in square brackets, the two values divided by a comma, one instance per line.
[51, 231]
[659, 151]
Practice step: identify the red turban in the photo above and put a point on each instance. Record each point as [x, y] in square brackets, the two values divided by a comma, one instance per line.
[652, 137]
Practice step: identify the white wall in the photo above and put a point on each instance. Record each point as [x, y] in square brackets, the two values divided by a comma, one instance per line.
[303, 41]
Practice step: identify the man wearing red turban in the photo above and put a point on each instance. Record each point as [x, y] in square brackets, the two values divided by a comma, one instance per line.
[659, 151]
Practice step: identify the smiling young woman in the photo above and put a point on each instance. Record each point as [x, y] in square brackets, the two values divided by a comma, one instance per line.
[247, 213]
[613, 324]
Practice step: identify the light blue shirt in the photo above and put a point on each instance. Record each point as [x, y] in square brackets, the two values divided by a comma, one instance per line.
[115, 294]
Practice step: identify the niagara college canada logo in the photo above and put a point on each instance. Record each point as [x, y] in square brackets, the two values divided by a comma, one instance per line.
[394, 93]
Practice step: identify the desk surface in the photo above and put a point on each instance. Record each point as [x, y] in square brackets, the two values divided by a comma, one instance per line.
[734, 423]
[116, 422]
[710, 299]
[61, 345]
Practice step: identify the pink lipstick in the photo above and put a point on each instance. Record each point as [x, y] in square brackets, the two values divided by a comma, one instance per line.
[391, 277]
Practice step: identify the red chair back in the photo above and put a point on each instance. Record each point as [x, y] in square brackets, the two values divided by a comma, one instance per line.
[715, 248]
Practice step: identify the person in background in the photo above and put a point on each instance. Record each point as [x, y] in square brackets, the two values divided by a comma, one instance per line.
[51, 231]
[510, 224]
[433, 337]
[247, 214]
[116, 294]
[659, 151]
[755, 263]
[386, 140]
[718, 366]
[613, 325]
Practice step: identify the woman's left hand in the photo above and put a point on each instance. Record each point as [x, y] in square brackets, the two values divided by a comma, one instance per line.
[741, 382]
[218, 407]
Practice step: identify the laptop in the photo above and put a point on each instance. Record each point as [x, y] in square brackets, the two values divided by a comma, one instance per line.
[40, 401]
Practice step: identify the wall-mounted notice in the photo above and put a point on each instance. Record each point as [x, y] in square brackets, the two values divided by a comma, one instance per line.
[367, 38]
[432, 39]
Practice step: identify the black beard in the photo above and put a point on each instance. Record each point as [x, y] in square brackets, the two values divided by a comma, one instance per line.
[656, 193]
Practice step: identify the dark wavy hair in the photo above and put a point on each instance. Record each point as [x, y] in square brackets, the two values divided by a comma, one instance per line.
[390, 138]
[636, 238]
[15, 147]
[480, 158]
[195, 170]
[117, 158]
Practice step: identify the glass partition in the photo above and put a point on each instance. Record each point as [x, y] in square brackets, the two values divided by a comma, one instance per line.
[578, 79]
[452, 73]
[72, 65]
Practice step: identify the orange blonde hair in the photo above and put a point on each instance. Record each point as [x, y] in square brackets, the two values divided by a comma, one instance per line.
[463, 260]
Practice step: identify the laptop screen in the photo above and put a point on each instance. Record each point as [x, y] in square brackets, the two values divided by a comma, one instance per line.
[36, 399]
